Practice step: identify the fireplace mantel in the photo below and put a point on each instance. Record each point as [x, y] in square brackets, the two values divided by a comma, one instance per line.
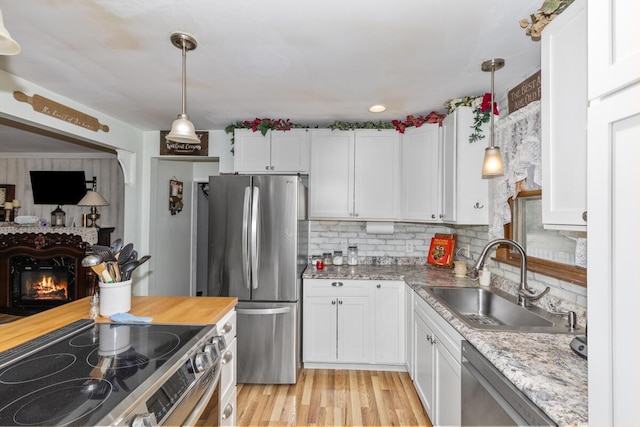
[89, 235]
[42, 243]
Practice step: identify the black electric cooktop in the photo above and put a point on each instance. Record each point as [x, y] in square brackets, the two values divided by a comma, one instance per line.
[80, 378]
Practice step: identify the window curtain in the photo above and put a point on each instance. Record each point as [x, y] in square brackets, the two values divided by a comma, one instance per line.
[518, 136]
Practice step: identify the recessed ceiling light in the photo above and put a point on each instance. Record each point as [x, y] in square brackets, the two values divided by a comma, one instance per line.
[377, 108]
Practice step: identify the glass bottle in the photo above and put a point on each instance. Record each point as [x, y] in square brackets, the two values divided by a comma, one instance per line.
[352, 255]
[328, 258]
[337, 258]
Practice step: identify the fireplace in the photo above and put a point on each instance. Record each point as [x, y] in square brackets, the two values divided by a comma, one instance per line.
[42, 270]
[43, 283]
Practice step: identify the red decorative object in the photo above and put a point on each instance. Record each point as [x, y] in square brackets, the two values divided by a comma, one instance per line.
[441, 252]
[432, 117]
[263, 125]
[486, 102]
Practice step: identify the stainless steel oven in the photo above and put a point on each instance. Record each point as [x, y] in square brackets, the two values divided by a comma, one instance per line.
[104, 374]
[490, 399]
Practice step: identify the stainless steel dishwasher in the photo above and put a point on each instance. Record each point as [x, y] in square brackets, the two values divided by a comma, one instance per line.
[490, 399]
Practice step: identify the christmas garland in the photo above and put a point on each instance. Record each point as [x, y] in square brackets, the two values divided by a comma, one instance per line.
[481, 112]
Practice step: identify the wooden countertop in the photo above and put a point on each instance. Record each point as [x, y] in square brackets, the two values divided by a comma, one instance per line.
[169, 309]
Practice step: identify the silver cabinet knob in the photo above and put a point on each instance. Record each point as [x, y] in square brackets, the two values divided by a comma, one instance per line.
[333, 302]
[340, 302]
[228, 357]
[266, 168]
[433, 216]
[228, 410]
[378, 286]
[273, 168]
[584, 216]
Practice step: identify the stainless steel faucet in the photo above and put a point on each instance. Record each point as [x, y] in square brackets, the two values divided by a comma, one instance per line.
[525, 293]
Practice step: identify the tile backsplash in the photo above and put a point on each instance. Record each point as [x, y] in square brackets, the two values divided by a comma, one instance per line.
[409, 244]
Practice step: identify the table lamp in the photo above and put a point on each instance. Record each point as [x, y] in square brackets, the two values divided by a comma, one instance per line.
[93, 199]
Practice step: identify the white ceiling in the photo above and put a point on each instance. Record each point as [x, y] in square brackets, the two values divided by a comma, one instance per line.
[311, 61]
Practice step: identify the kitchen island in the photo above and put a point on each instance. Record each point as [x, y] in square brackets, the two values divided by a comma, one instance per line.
[163, 309]
[540, 365]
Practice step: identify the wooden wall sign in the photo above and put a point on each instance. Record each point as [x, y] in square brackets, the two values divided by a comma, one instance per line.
[51, 108]
[169, 148]
[525, 93]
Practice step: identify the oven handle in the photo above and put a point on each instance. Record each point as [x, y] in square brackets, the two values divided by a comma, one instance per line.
[197, 411]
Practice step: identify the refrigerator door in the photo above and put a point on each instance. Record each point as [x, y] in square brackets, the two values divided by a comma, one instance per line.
[276, 275]
[268, 342]
[229, 259]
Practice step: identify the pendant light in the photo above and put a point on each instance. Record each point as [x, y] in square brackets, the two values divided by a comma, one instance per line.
[182, 130]
[492, 165]
[8, 46]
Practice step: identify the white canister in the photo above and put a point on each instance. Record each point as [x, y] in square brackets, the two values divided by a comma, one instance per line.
[484, 277]
[352, 255]
[115, 298]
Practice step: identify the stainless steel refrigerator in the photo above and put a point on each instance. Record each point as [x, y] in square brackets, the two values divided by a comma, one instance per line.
[258, 239]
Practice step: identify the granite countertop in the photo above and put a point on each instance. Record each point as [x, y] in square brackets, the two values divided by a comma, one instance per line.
[542, 366]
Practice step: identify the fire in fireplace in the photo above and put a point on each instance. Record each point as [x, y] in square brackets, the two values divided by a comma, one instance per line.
[44, 282]
[47, 283]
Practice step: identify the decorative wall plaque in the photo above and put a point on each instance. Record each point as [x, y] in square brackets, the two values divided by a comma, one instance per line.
[169, 148]
[51, 108]
[525, 93]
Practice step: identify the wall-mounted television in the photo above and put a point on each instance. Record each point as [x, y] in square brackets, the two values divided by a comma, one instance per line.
[58, 187]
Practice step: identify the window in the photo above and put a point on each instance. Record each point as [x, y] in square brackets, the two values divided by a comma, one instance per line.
[549, 252]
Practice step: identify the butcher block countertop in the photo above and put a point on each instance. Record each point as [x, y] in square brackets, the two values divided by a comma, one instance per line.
[163, 309]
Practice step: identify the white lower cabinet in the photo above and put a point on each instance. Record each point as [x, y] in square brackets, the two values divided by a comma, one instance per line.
[353, 322]
[408, 333]
[389, 322]
[227, 394]
[437, 368]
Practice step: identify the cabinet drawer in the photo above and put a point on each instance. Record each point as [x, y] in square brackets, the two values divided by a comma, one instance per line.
[228, 407]
[229, 364]
[337, 287]
[227, 326]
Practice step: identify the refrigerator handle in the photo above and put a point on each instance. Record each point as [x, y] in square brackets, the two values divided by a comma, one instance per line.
[258, 311]
[245, 237]
[255, 236]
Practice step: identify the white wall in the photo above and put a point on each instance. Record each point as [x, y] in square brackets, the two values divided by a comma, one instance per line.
[170, 243]
[14, 169]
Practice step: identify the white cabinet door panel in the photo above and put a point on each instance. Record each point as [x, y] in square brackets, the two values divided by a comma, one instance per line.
[354, 337]
[252, 152]
[376, 174]
[614, 51]
[320, 329]
[290, 151]
[389, 322]
[331, 174]
[564, 119]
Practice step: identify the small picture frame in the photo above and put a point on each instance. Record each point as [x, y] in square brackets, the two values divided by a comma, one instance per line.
[175, 196]
[7, 194]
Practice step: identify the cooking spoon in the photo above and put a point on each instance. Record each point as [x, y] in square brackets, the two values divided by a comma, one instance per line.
[95, 262]
[116, 246]
[125, 253]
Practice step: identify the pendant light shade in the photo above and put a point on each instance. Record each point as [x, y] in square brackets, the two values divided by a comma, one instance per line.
[8, 46]
[182, 130]
[492, 165]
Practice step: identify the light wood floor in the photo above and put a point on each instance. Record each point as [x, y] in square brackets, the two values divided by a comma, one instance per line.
[325, 397]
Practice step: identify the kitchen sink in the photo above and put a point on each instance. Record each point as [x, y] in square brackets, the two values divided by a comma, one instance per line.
[493, 309]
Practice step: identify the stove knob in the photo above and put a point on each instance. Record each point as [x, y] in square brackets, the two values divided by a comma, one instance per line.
[212, 351]
[201, 362]
[220, 342]
[144, 420]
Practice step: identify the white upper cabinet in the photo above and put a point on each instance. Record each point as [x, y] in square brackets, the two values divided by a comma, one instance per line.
[277, 152]
[354, 175]
[614, 55]
[421, 174]
[465, 197]
[377, 175]
[564, 119]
